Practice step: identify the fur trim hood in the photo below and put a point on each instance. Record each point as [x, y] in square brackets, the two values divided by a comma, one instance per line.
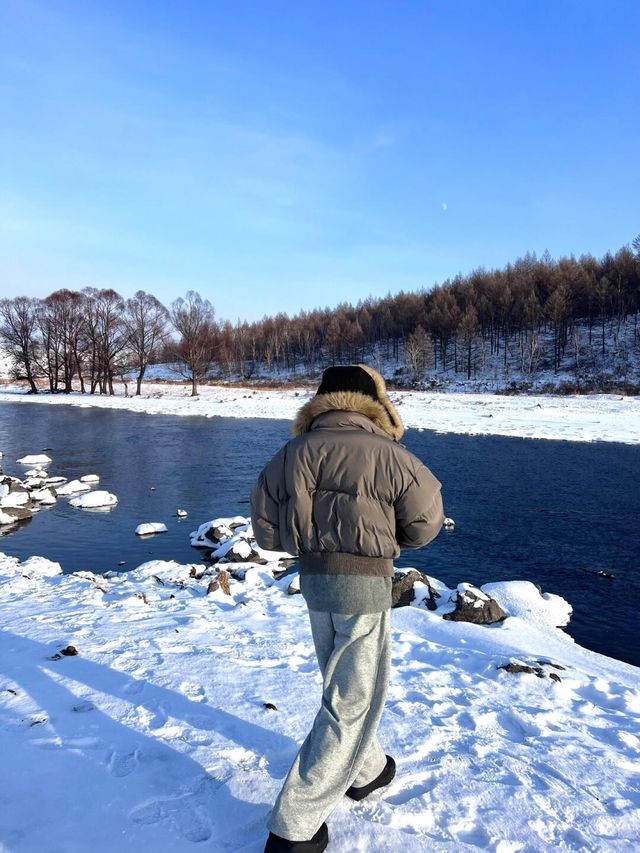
[381, 411]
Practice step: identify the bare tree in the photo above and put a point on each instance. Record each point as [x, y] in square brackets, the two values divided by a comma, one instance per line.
[146, 320]
[416, 351]
[193, 320]
[62, 325]
[469, 327]
[18, 333]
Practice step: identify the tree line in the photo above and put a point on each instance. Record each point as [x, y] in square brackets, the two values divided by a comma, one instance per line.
[94, 336]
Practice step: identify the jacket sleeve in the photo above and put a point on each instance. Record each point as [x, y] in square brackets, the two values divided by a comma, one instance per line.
[419, 511]
[266, 496]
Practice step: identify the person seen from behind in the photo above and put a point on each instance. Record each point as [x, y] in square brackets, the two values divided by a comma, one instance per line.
[343, 496]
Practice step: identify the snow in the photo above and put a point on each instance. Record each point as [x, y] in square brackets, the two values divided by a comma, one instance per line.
[35, 459]
[15, 499]
[151, 527]
[94, 499]
[155, 736]
[90, 478]
[44, 496]
[590, 417]
[72, 488]
[5, 518]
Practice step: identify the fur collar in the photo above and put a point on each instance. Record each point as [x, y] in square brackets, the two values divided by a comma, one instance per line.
[383, 414]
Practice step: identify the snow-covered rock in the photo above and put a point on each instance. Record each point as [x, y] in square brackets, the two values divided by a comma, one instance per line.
[90, 478]
[35, 459]
[6, 520]
[44, 496]
[181, 513]
[94, 500]
[73, 487]
[150, 527]
[34, 482]
[15, 499]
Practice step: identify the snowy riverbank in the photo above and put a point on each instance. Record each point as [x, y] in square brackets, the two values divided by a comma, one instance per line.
[593, 417]
[159, 734]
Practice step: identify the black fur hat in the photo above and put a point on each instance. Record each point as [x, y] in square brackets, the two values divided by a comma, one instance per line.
[350, 377]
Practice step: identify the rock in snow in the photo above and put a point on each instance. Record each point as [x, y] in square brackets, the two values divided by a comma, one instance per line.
[94, 500]
[150, 527]
[90, 478]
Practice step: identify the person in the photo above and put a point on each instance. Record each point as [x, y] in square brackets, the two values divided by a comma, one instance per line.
[343, 496]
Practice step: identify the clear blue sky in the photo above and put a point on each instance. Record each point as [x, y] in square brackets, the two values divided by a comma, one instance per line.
[284, 155]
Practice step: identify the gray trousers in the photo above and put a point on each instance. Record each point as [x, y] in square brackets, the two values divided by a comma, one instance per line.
[342, 748]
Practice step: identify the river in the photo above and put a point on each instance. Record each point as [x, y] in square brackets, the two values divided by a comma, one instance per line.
[553, 512]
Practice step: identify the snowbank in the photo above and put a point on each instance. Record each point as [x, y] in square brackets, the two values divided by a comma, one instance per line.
[156, 735]
[592, 417]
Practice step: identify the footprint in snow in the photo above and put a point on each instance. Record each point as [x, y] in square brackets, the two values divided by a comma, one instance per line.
[194, 692]
[188, 813]
[122, 764]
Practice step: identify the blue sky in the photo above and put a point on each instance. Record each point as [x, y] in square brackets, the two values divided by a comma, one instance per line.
[285, 155]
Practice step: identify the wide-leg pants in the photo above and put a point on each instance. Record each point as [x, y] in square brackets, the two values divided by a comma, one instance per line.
[342, 748]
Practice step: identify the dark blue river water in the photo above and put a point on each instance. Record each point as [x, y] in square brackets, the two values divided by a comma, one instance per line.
[547, 511]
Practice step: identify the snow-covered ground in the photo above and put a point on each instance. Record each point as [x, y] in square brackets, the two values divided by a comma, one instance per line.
[156, 735]
[593, 417]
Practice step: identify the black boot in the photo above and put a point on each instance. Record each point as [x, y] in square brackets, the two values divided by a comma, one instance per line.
[276, 844]
[379, 782]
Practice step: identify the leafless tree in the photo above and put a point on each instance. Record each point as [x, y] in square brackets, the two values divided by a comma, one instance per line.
[18, 334]
[416, 351]
[146, 324]
[193, 320]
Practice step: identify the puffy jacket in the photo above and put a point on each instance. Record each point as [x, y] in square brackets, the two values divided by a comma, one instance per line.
[344, 495]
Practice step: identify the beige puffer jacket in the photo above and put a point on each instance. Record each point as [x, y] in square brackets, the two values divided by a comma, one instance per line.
[344, 495]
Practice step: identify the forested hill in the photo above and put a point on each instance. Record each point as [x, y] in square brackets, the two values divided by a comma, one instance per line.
[537, 324]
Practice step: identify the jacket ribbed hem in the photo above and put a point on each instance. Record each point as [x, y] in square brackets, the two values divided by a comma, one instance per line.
[341, 563]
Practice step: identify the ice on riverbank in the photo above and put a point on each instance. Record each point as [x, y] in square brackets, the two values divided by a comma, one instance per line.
[160, 733]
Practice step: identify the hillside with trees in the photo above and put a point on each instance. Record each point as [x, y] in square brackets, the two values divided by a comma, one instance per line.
[536, 324]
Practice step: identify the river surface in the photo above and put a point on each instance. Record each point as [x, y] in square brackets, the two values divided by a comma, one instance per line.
[553, 512]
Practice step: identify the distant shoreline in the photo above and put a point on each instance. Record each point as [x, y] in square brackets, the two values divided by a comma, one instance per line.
[585, 417]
